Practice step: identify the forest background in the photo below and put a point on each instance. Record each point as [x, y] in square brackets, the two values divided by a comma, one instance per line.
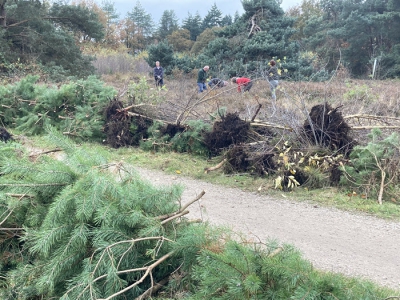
[311, 40]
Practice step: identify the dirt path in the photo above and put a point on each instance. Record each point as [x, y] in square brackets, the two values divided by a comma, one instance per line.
[332, 240]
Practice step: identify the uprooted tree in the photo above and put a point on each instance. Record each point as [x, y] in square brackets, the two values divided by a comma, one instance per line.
[77, 226]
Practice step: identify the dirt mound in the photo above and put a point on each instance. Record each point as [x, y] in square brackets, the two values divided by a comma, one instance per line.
[231, 130]
[328, 129]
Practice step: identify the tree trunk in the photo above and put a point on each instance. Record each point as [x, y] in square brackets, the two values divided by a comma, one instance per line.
[2, 14]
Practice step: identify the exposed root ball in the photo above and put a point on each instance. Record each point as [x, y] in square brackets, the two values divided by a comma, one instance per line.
[263, 164]
[334, 175]
[329, 129]
[237, 160]
[231, 130]
[117, 125]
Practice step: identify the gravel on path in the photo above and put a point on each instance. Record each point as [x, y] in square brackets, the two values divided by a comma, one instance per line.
[333, 240]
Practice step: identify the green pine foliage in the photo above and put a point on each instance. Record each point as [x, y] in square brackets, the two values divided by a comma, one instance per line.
[239, 271]
[96, 228]
[75, 108]
[191, 140]
[162, 52]
[368, 163]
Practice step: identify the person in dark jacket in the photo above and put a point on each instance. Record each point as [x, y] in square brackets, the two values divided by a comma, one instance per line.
[201, 79]
[216, 82]
[158, 74]
[273, 78]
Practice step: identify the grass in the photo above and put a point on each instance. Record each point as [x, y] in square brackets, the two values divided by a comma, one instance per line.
[183, 164]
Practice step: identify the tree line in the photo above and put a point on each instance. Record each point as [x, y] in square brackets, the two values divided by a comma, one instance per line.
[311, 41]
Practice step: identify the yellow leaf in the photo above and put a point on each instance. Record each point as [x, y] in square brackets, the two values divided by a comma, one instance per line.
[178, 172]
[285, 159]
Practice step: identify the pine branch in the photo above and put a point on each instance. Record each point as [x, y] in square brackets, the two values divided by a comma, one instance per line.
[182, 208]
[148, 272]
[32, 184]
[174, 217]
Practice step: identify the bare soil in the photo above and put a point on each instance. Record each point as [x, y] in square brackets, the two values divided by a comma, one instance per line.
[342, 242]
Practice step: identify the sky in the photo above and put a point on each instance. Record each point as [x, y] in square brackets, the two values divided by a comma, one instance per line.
[182, 7]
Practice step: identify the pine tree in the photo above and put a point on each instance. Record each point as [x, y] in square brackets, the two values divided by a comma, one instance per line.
[144, 24]
[193, 24]
[49, 34]
[213, 18]
[112, 17]
[168, 24]
[89, 229]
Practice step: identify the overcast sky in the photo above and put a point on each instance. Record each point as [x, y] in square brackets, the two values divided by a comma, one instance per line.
[183, 7]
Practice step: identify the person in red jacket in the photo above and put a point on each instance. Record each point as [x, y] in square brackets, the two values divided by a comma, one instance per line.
[243, 82]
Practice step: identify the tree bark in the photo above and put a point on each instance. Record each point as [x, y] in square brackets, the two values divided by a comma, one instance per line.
[3, 21]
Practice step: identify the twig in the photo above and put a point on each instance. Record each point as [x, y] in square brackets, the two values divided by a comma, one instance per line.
[175, 216]
[275, 252]
[143, 116]
[256, 113]
[270, 125]
[363, 116]
[20, 195]
[148, 269]
[45, 152]
[206, 170]
[182, 208]
[376, 126]
[153, 289]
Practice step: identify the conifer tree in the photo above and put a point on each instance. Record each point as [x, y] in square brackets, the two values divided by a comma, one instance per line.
[48, 33]
[168, 24]
[213, 18]
[86, 232]
[143, 21]
[193, 24]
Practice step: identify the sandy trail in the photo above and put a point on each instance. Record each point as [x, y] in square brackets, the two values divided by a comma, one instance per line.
[333, 240]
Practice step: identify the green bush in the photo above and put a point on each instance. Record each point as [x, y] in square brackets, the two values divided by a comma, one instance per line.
[375, 167]
[191, 139]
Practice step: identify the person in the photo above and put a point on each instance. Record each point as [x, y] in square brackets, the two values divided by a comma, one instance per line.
[201, 79]
[159, 74]
[216, 82]
[244, 82]
[273, 78]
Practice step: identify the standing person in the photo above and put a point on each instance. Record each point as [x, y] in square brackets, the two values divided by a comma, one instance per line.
[159, 74]
[201, 79]
[217, 82]
[273, 78]
[244, 82]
